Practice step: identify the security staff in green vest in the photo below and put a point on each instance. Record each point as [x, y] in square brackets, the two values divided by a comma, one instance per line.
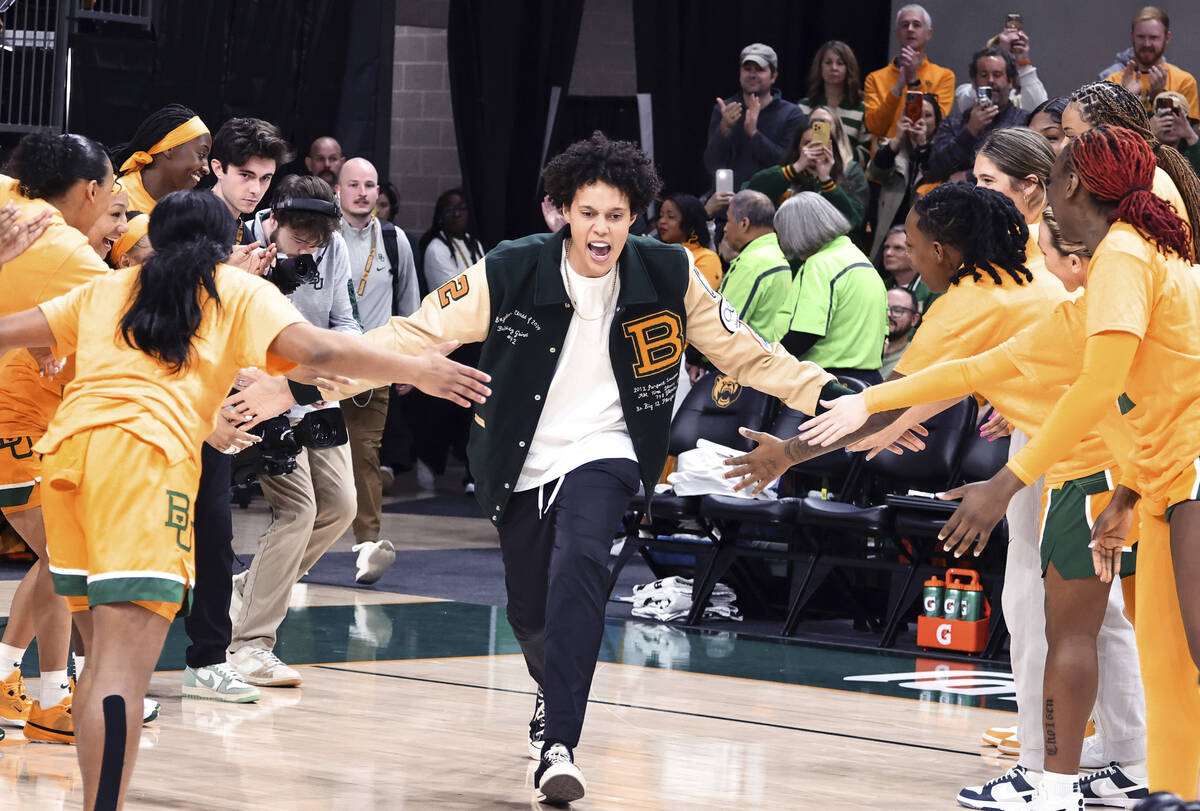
[583, 332]
[836, 315]
[759, 280]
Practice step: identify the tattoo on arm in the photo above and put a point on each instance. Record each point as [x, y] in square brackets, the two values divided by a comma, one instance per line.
[1051, 733]
[795, 450]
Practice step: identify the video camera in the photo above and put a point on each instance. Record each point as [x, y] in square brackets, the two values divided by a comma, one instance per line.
[281, 442]
[290, 273]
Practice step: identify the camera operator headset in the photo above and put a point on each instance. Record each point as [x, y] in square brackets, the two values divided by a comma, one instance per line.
[315, 502]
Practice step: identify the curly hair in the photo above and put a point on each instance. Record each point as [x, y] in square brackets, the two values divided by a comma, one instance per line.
[983, 224]
[1110, 103]
[597, 159]
[47, 165]
[1117, 166]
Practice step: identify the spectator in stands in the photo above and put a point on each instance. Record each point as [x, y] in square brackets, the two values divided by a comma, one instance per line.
[1170, 125]
[992, 70]
[823, 169]
[1148, 73]
[448, 246]
[1046, 119]
[899, 167]
[903, 318]
[883, 95]
[325, 159]
[898, 270]
[441, 427]
[683, 221]
[836, 314]
[834, 81]
[750, 130]
[385, 207]
[1028, 92]
[759, 279]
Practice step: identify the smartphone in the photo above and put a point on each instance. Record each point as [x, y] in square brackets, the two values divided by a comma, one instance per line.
[985, 95]
[1164, 105]
[820, 133]
[724, 182]
[1012, 21]
[914, 105]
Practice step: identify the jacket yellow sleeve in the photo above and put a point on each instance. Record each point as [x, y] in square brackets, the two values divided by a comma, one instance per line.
[460, 310]
[942, 381]
[715, 329]
[1114, 430]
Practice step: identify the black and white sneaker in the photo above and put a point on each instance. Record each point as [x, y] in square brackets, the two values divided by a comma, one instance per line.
[537, 727]
[1011, 791]
[558, 780]
[1113, 787]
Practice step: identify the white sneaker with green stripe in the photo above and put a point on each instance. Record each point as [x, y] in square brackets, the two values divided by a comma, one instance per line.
[218, 682]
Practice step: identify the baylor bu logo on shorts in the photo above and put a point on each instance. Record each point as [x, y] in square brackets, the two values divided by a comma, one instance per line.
[725, 391]
[657, 342]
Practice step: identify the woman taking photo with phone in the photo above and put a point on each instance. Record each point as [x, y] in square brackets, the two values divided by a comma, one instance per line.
[899, 167]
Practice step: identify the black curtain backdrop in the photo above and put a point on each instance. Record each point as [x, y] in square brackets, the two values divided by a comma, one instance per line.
[306, 65]
[687, 55]
[504, 58]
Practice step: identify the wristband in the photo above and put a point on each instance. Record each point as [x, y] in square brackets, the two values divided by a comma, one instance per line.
[915, 83]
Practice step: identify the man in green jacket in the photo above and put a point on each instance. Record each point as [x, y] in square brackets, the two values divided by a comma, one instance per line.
[759, 279]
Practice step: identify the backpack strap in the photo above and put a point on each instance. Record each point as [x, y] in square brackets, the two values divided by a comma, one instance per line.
[391, 246]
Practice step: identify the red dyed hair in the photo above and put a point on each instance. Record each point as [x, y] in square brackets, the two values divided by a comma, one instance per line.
[1116, 164]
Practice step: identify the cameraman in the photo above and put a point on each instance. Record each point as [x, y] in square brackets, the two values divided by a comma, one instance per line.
[315, 503]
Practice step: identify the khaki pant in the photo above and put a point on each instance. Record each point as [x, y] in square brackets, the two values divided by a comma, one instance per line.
[312, 507]
[365, 417]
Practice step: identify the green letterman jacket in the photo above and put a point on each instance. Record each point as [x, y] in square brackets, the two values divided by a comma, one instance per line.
[514, 302]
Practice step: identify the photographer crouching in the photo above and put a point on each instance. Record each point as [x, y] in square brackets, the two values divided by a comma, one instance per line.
[312, 498]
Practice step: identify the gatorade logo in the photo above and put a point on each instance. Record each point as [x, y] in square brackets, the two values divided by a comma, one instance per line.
[657, 342]
[943, 634]
[453, 290]
[931, 605]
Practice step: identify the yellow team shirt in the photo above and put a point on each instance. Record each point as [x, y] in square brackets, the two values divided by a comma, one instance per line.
[119, 385]
[139, 198]
[975, 316]
[1134, 288]
[1178, 80]
[60, 260]
[707, 262]
[882, 110]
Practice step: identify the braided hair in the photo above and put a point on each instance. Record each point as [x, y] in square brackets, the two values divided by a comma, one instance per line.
[1111, 104]
[1117, 166]
[983, 224]
[152, 130]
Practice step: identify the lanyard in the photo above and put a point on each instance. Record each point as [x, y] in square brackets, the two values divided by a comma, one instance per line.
[237, 240]
[370, 260]
[454, 245]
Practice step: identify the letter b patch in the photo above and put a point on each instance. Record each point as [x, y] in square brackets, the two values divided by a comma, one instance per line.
[657, 342]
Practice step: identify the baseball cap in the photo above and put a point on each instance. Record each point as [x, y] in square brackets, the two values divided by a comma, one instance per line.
[760, 54]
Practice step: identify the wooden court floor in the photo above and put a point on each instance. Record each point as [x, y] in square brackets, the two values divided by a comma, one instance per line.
[413, 703]
[378, 725]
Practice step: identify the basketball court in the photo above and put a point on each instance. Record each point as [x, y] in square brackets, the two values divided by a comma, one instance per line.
[416, 702]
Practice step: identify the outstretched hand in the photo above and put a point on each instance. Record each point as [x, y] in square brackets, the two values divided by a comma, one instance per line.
[442, 377]
[983, 505]
[16, 237]
[765, 463]
[846, 415]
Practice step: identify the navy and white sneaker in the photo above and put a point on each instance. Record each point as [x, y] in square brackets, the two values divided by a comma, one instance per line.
[1011, 791]
[537, 727]
[1113, 787]
[558, 780]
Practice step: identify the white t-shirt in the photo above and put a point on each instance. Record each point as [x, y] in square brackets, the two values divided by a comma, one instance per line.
[582, 419]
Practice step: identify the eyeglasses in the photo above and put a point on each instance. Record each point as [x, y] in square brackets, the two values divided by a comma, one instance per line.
[900, 310]
[450, 211]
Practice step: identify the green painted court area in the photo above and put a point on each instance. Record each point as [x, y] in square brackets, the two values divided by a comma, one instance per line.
[441, 630]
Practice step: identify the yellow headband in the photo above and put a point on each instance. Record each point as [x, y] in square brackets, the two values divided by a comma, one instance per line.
[138, 227]
[192, 128]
